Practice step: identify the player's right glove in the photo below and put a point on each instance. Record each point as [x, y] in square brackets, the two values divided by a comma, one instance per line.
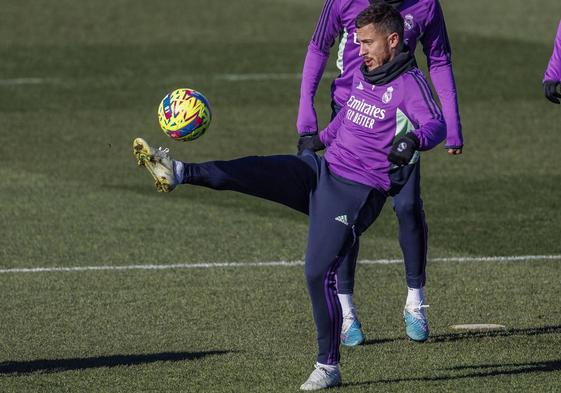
[552, 90]
[402, 151]
[310, 142]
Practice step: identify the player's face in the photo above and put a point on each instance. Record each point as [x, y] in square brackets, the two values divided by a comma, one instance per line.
[376, 48]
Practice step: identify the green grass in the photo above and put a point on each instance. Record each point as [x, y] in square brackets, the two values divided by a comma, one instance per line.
[71, 195]
[236, 330]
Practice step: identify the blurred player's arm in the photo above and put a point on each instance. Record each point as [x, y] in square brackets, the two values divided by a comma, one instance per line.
[552, 76]
[327, 29]
[436, 47]
[329, 133]
[319, 141]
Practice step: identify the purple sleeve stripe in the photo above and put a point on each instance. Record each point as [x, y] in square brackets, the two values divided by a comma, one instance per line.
[427, 95]
[319, 33]
[443, 30]
[444, 35]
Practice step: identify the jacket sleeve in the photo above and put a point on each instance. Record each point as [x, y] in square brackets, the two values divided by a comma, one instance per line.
[327, 30]
[436, 47]
[422, 109]
[553, 71]
[329, 133]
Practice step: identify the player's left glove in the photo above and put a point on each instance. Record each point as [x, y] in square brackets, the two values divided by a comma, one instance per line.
[552, 90]
[402, 151]
[310, 142]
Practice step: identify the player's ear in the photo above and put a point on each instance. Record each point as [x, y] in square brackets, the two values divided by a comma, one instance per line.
[393, 40]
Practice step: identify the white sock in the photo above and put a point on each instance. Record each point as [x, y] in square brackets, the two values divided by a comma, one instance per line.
[178, 171]
[331, 368]
[415, 296]
[346, 300]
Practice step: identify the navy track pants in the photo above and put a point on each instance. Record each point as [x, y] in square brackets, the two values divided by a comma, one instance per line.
[339, 211]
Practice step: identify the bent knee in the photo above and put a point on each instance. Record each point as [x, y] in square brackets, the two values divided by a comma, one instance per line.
[315, 275]
[408, 208]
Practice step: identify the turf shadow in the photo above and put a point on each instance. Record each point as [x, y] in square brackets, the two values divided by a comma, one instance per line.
[378, 341]
[73, 364]
[553, 365]
[490, 370]
[554, 329]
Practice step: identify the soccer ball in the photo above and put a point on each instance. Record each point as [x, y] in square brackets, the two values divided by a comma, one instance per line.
[184, 114]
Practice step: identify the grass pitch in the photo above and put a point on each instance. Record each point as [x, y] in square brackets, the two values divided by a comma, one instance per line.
[78, 81]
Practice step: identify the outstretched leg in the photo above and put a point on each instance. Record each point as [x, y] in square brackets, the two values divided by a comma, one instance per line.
[285, 179]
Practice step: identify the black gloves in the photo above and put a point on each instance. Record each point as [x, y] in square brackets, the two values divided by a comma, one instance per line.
[552, 90]
[310, 142]
[402, 151]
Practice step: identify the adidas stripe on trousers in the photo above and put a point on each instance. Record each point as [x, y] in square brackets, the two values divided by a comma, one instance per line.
[339, 211]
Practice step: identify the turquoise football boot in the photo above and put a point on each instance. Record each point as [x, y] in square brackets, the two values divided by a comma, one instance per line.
[416, 323]
[351, 334]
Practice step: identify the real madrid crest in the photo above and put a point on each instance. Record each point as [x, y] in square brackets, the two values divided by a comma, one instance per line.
[408, 22]
[387, 97]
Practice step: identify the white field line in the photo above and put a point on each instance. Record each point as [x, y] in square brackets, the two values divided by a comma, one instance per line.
[253, 77]
[512, 258]
[26, 81]
[265, 77]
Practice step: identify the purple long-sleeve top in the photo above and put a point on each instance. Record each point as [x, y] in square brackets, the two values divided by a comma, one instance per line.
[424, 22]
[553, 71]
[360, 137]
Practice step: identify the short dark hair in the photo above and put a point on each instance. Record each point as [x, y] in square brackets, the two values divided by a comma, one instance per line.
[384, 17]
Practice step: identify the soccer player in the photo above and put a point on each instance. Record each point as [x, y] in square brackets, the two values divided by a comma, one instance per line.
[424, 22]
[344, 191]
[552, 77]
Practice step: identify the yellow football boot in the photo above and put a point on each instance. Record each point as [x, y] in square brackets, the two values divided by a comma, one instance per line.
[158, 163]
